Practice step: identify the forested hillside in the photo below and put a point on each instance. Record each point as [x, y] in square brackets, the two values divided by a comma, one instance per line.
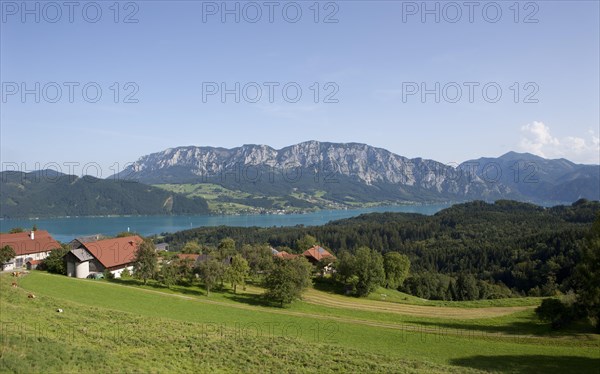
[50, 194]
[501, 249]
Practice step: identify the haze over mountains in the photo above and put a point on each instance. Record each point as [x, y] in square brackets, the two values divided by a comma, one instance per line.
[353, 172]
[306, 176]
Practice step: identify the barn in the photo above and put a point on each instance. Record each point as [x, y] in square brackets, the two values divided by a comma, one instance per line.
[95, 256]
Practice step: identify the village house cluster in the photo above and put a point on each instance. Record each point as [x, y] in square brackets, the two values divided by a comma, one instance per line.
[87, 255]
[30, 248]
[92, 255]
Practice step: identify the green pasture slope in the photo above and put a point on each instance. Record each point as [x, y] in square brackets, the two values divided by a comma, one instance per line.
[109, 327]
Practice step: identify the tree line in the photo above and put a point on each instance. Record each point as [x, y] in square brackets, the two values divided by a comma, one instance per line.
[469, 251]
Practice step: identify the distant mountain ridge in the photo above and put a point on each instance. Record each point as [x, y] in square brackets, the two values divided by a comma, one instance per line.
[48, 193]
[354, 172]
[539, 180]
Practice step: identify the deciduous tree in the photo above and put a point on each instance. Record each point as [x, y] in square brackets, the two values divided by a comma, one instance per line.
[191, 247]
[306, 242]
[556, 312]
[396, 267]
[168, 274]
[146, 259]
[237, 271]
[369, 269]
[287, 280]
[210, 273]
[55, 262]
[259, 257]
[185, 270]
[225, 248]
[6, 253]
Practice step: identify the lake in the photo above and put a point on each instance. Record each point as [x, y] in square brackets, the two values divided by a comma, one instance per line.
[65, 229]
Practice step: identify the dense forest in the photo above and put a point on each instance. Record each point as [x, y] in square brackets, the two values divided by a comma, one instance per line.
[468, 251]
[47, 193]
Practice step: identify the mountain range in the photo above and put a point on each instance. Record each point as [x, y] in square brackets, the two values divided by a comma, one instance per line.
[305, 176]
[348, 173]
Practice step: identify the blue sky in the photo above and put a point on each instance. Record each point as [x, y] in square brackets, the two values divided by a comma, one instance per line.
[371, 57]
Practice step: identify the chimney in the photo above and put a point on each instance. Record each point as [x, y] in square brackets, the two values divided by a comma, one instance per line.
[32, 235]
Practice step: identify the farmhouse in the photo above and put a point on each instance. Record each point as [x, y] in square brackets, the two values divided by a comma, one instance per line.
[316, 254]
[285, 255]
[90, 257]
[282, 254]
[192, 257]
[189, 259]
[28, 246]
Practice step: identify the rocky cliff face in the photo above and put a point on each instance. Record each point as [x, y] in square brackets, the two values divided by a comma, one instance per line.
[356, 171]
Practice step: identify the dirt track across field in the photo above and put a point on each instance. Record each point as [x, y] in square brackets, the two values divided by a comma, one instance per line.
[338, 301]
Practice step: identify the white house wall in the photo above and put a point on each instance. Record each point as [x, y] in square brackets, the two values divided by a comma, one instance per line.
[117, 273]
[12, 264]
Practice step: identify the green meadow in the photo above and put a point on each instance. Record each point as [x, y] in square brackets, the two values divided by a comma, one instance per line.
[125, 327]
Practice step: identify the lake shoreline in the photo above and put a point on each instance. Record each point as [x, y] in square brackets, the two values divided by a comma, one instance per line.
[66, 229]
[414, 204]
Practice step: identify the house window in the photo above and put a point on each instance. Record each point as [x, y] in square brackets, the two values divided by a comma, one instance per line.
[19, 262]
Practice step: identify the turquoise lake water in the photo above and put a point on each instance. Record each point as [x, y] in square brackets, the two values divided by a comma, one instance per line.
[65, 229]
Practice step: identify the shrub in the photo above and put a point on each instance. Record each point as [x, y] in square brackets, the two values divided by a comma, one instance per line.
[108, 275]
[55, 262]
[126, 274]
[556, 312]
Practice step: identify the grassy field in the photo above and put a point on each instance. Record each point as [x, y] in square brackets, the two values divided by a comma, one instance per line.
[108, 327]
[218, 198]
[211, 192]
[383, 294]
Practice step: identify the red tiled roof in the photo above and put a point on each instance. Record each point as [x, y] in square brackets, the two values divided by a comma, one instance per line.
[318, 253]
[34, 262]
[188, 256]
[114, 252]
[22, 243]
[284, 254]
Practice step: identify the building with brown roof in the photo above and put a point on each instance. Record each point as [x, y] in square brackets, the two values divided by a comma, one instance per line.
[316, 254]
[286, 255]
[90, 257]
[28, 246]
[282, 254]
[188, 256]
